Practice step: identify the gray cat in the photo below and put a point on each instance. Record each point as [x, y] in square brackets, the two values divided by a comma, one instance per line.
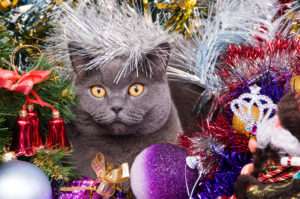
[120, 120]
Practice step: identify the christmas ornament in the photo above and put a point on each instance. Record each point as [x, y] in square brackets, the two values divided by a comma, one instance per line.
[13, 81]
[108, 178]
[36, 139]
[279, 56]
[22, 180]
[83, 193]
[28, 21]
[295, 83]
[242, 108]
[4, 4]
[57, 137]
[22, 132]
[277, 138]
[239, 125]
[180, 15]
[159, 172]
[235, 23]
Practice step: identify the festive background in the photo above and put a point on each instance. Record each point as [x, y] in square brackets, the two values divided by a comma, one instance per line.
[36, 95]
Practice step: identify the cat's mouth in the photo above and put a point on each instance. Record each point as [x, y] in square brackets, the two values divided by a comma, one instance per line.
[119, 128]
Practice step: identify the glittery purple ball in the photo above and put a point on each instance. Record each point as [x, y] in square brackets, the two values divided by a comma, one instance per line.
[159, 172]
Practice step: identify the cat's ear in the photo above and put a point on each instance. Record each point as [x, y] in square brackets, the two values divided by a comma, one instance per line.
[78, 58]
[157, 60]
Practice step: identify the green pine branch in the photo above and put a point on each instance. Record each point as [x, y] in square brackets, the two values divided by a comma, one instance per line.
[54, 90]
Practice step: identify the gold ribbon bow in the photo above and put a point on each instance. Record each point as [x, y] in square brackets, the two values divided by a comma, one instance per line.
[107, 176]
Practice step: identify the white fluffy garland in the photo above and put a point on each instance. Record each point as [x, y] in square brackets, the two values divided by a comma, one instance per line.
[104, 31]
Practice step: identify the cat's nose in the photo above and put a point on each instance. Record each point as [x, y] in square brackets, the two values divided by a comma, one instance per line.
[116, 109]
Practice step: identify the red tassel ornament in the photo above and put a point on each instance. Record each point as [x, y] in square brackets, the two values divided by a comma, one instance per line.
[36, 139]
[57, 137]
[22, 132]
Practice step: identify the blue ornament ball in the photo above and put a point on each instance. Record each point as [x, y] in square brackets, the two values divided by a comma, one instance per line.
[22, 180]
[159, 172]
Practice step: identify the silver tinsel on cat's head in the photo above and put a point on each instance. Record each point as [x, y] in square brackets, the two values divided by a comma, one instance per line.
[105, 30]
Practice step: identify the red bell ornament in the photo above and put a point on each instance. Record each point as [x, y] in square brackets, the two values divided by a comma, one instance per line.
[22, 131]
[36, 139]
[57, 137]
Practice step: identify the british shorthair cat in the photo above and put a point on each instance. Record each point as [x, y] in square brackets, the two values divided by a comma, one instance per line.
[121, 119]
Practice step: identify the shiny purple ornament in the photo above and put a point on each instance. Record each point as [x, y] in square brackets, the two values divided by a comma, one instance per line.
[159, 172]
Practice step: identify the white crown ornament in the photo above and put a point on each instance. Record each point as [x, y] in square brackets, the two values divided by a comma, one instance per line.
[246, 102]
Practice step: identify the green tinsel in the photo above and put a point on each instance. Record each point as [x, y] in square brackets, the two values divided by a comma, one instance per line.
[28, 22]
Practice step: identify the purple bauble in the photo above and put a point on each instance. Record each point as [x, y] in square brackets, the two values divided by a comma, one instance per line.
[158, 172]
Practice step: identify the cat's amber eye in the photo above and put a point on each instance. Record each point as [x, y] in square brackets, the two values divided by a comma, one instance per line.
[98, 91]
[136, 90]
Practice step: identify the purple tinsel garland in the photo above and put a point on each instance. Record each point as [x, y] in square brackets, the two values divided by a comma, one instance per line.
[231, 162]
[82, 194]
[222, 182]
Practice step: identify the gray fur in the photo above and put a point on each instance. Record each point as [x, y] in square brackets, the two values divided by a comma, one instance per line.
[142, 121]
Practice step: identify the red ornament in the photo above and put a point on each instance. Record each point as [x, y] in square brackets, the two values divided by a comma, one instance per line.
[280, 55]
[57, 137]
[22, 132]
[36, 139]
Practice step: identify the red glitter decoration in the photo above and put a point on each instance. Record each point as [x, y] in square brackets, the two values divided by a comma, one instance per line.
[22, 132]
[246, 61]
[219, 133]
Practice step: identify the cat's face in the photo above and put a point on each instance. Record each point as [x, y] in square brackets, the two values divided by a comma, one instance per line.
[135, 105]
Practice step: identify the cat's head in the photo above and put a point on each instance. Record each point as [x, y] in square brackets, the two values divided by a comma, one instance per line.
[136, 104]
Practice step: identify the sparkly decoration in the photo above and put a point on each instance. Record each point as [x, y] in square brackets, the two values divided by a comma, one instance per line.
[22, 133]
[19, 179]
[239, 125]
[194, 162]
[221, 182]
[280, 56]
[108, 177]
[92, 32]
[21, 79]
[82, 194]
[222, 151]
[28, 22]
[4, 4]
[159, 172]
[181, 15]
[218, 133]
[295, 83]
[13, 81]
[248, 100]
[36, 139]
[201, 152]
[57, 137]
[86, 194]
